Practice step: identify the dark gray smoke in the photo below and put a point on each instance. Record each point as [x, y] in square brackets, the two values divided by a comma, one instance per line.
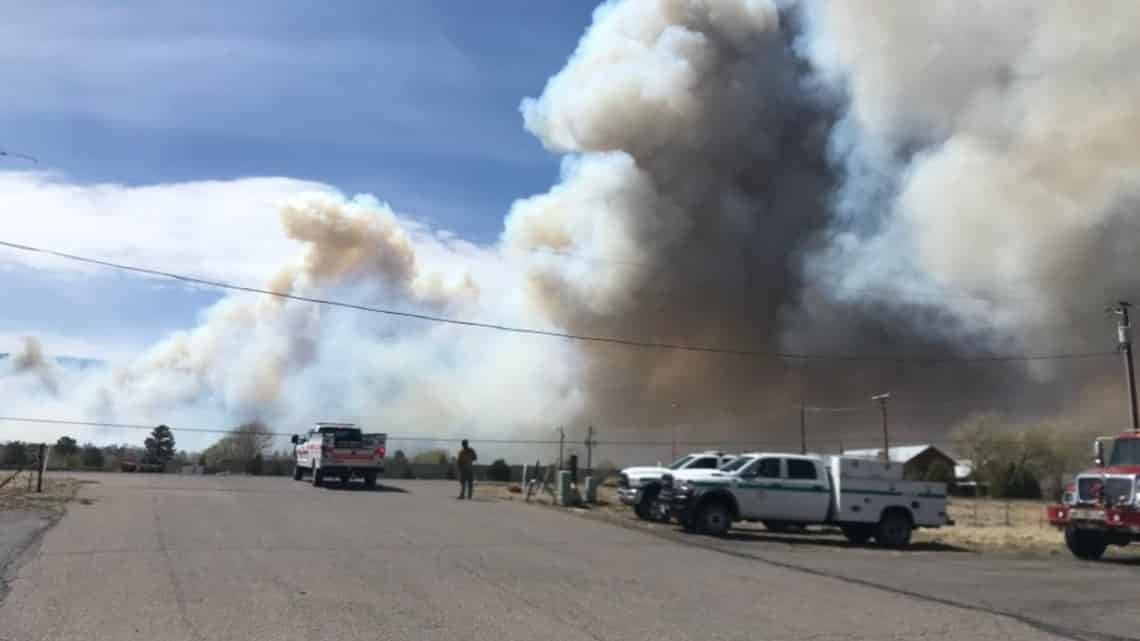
[793, 181]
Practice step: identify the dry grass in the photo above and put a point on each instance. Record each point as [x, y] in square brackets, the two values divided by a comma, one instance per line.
[57, 492]
[981, 525]
[985, 513]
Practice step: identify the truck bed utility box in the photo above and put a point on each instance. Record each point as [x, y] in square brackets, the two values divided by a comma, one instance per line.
[866, 468]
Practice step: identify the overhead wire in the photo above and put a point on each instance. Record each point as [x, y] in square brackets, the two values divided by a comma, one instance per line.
[745, 279]
[629, 342]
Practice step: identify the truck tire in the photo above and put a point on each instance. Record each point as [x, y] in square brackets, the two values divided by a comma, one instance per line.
[1087, 545]
[894, 529]
[318, 476]
[857, 534]
[644, 508]
[713, 518]
[297, 473]
[370, 480]
[688, 523]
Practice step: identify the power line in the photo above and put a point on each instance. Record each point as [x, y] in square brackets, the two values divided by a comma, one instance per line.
[908, 293]
[12, 154]
[201, 430]
[391, 437]
[550, 333]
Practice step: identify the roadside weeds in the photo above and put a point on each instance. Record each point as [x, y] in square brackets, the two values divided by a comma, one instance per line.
[58, 492]
[980, 526]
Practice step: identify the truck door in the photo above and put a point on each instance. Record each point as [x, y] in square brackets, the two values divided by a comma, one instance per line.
[756, 489]
[806, 497]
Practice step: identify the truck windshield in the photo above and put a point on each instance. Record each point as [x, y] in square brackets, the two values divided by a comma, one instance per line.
[736, 464]
[1125, 452]
[679, 463]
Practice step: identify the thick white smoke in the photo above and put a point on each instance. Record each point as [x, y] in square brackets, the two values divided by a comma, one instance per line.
[1004, 135]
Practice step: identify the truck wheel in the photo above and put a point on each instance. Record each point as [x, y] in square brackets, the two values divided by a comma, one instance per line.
[714, 518]
[644, 508]
[688, 524]
[297, 473]
[857, 534]
[894, 529]
[370, 480]
[318, 476]
[1085, 544]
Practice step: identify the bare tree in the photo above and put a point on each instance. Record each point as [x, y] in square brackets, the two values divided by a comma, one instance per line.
[243, 443]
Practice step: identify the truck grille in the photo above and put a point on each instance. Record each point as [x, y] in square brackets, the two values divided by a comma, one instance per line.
[1116, 490]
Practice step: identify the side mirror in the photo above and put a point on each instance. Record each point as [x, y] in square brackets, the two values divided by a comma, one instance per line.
[296, 439]
[1098, 452]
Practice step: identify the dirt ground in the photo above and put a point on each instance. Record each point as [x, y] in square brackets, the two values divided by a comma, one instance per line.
[57, 491]
[981, 525]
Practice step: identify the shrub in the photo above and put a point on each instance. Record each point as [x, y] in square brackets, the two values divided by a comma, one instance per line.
[255, 465]
[499, 471]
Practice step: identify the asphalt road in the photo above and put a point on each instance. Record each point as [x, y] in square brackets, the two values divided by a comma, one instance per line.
[169, 557]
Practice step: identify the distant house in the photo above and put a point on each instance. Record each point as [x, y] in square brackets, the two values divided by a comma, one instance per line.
[915, 459]
[963, 469]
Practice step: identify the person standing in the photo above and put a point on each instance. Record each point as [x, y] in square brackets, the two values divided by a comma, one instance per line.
[466, 463]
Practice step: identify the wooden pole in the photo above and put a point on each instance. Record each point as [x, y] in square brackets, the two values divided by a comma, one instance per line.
[42, 466]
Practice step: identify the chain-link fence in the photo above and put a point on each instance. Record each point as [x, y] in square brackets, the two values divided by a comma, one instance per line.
[987, 512]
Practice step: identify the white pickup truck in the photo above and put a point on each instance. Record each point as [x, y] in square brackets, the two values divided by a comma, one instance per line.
[639, 486]
[339, 450]
[866, 498]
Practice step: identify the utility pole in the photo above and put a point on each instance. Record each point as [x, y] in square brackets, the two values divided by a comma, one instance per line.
[803, 430]
[589, 450]
[1124, 342]
[883, 398]
[42, 465]
[674, 431]
[561, 444]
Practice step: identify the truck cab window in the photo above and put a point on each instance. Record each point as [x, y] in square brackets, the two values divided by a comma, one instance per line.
[765, 468]
[679, 463]
[706, 463]
[801, 470]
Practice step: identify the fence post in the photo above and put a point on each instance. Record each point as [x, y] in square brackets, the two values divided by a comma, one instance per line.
[42, 466]
[1007, 523]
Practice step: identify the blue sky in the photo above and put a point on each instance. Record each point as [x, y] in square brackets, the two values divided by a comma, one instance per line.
[413, 101]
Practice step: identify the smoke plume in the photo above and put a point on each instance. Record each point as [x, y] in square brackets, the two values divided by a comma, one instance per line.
[936, 178]
[30, 361]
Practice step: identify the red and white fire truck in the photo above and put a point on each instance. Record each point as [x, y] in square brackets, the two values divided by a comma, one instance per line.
[339, 450]
[1102, 506]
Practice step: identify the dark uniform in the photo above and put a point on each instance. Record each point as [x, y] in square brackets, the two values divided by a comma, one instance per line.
[466, 463]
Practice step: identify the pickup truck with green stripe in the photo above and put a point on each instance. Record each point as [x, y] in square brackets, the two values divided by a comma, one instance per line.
[866, 498]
